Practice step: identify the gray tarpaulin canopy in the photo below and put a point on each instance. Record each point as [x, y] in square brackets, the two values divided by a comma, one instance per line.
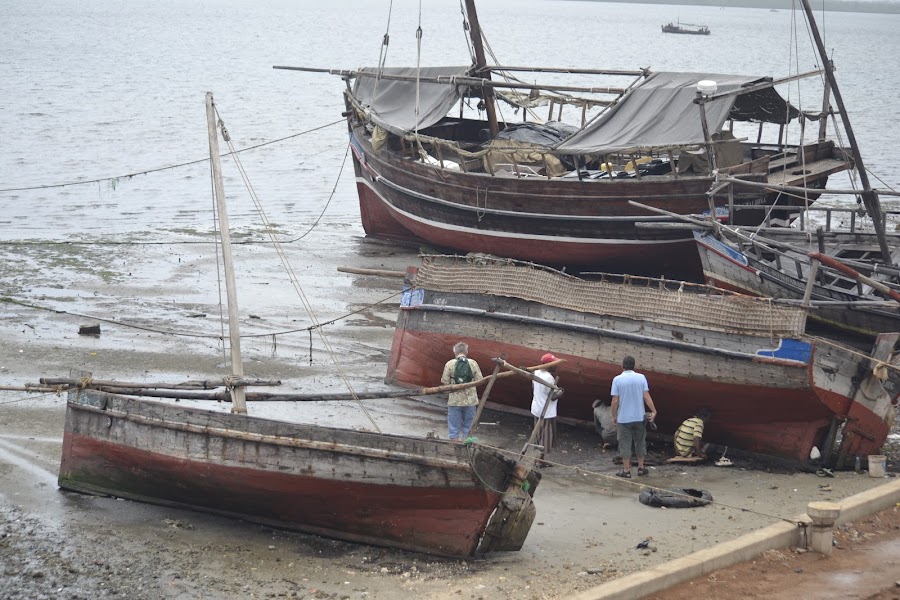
[393, 103]
[660, 113]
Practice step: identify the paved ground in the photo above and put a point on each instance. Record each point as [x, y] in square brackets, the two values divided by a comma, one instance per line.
[865, 564]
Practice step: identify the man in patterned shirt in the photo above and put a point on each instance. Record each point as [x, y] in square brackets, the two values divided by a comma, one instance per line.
[461, 404]
[689, 436]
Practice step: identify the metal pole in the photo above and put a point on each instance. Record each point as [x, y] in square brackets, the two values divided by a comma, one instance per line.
[239, 403]
[710, 155]
[869, 196]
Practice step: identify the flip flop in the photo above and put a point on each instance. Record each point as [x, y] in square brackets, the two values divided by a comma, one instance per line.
[624, 474]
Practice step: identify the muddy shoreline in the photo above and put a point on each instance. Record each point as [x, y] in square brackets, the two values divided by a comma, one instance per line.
[64, 545]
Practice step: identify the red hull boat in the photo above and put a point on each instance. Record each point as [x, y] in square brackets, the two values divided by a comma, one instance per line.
[424, 495]
[772, 390]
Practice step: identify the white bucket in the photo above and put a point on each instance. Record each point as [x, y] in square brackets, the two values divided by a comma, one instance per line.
[877, 465]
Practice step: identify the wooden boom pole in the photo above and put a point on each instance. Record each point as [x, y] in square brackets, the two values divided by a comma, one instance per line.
[869, 196]
[239, 402]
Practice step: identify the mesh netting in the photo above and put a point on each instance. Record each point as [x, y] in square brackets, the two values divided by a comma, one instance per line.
[639, 298]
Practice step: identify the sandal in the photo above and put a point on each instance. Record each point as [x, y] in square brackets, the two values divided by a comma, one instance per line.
[643, 472]
[624, 474]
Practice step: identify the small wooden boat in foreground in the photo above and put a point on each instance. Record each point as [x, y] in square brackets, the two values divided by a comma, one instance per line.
[420, 494]
[425, 495]
[771, 389]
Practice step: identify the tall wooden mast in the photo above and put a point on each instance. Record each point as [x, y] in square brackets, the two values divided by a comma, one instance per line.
[238, 400]
[480, 67]
[869, 196]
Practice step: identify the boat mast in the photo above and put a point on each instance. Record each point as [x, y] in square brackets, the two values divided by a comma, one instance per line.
[869, 196]
[481, 67]
[239, 398]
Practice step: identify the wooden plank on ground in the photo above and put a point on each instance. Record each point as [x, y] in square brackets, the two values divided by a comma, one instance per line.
[684, 459]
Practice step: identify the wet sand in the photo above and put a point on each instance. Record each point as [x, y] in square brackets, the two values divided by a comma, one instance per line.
[65, 545]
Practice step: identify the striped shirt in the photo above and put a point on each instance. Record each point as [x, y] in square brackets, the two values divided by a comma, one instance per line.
[684, 437]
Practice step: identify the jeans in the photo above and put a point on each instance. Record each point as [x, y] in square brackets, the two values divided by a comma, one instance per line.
[459, 420]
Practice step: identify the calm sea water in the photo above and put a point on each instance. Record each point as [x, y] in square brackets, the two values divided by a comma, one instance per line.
[96, 88]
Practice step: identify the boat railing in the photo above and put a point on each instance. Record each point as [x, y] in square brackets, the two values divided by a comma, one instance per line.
[793, 260]
[639, 299]
[856, 216]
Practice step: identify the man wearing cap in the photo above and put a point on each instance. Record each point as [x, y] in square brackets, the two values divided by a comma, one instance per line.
[540, 395]
[629, 394]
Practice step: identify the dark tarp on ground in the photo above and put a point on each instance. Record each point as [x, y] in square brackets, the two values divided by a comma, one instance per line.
[660, 113]
[393, 103]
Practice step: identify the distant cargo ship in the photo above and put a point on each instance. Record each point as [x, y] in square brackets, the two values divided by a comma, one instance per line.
[688, 28]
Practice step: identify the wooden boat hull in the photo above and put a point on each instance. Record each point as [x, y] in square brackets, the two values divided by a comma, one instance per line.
[775, 406]
[416, 494]
[726, 267]
[559, 221]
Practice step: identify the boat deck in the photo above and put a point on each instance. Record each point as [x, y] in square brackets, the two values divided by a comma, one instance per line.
[796, 175]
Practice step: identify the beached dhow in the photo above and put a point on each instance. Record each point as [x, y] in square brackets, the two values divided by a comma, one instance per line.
[553, 185]
[420, 494]
[773, 389]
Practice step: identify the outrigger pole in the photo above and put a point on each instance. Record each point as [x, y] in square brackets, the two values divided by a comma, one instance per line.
[869, 196]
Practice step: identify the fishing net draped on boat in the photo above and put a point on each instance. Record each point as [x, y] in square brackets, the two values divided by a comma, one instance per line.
[639, 298]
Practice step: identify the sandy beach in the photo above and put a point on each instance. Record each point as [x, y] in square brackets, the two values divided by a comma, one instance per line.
[66, 545]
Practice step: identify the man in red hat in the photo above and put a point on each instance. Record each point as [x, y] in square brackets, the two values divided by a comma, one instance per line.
[541, 395]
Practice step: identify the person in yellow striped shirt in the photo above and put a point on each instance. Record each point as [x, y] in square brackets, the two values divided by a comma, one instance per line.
[689, 436]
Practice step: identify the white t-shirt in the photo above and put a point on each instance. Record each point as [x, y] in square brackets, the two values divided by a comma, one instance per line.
[540, 395]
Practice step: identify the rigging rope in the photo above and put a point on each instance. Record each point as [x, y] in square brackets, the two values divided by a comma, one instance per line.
[467, 32]
[215, 227]
[382, 52]
[324, 208]
[111, 321]
[640, 486]
[295, 282]
[166, 168]
[188, 243]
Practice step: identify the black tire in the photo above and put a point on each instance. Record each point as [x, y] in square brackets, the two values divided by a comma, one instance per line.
[675, 498]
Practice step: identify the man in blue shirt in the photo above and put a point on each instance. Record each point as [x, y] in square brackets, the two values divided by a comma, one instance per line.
[629, 394]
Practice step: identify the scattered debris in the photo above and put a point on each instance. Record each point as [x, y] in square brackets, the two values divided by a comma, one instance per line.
[89, 329]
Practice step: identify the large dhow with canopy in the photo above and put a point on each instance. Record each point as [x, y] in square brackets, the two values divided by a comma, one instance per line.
[553, 187]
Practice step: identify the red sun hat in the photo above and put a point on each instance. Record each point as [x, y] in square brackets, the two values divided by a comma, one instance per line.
[548, 358]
